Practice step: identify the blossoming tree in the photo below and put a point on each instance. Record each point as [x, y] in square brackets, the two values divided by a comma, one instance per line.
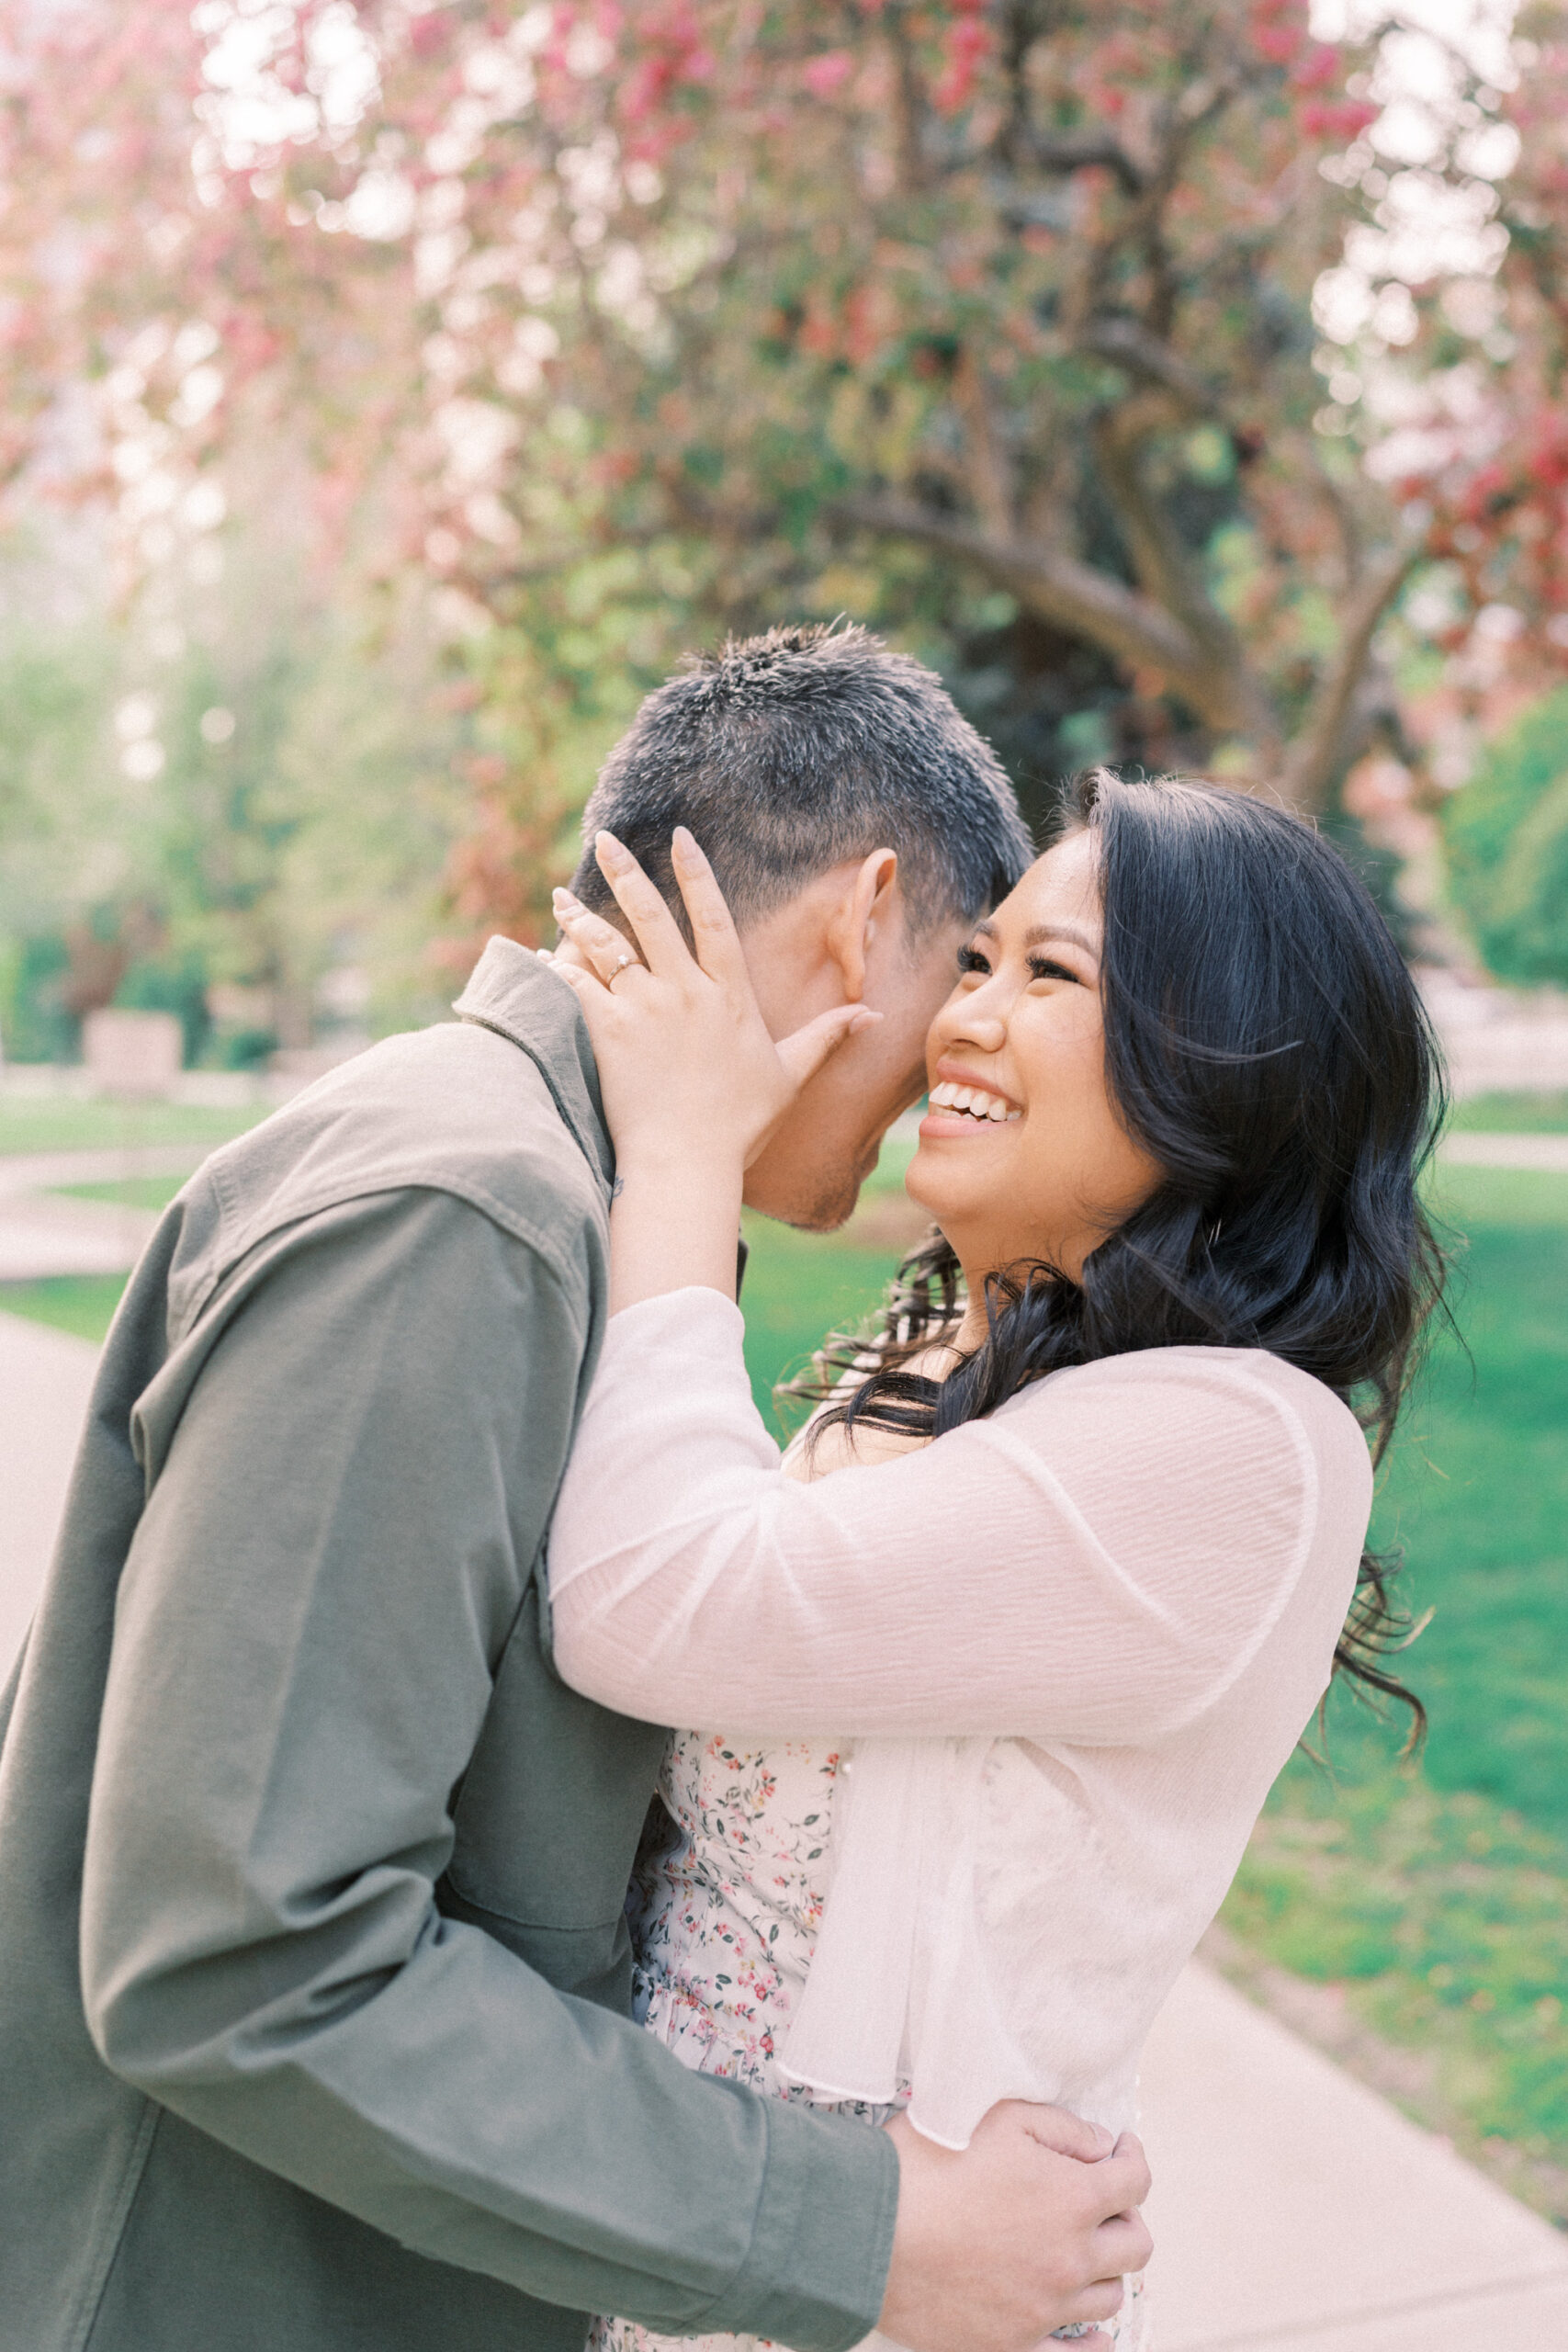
[1022, 289]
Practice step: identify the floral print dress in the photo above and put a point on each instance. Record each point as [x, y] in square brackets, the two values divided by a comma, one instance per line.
[725, 1910]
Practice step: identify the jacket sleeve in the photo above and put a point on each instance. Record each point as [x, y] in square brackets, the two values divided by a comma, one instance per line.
[1097, 1562]
[341, 1520]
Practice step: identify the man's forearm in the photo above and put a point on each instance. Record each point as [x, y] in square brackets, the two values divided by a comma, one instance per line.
[482, 2117]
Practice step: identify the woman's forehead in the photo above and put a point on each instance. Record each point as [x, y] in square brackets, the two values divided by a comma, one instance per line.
[1062, 885]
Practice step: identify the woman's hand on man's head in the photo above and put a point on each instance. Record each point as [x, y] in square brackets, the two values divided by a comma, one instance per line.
[686, 1063]
[692, 1083]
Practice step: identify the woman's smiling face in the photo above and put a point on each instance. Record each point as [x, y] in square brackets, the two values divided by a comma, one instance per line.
[1022, 1154]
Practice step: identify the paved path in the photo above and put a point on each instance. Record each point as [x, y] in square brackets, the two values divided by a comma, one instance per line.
[44, 1379]
[44, 1231]
[1548, 1152]
[40, 1171]
[44, 1235]
[1294, 2209]
[1296, 2212]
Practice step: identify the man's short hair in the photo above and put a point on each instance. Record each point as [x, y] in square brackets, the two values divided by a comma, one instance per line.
[789, 753]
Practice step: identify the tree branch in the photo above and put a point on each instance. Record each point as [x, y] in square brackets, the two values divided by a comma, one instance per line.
[1079, 151]
[1013, 136]
[1341, 501]
[1092, 604]
[1031, 207]
[908, 159]
[1160, 560]
[989, 471]
[1167, 571]
[1127, 343]
[1318, 751]
[1203, 98]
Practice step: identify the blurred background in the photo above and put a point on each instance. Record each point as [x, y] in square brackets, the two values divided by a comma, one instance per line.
[395, 389]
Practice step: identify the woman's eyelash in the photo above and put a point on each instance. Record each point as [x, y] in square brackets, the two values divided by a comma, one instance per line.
[1041, 967]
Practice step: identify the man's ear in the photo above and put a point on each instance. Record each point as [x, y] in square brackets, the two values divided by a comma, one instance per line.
[866, 907]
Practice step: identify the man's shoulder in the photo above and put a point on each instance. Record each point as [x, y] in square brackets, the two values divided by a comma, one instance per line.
[453, 1093]
[452, 1108]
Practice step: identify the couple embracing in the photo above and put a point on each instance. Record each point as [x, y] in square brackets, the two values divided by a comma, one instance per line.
[422, 1492]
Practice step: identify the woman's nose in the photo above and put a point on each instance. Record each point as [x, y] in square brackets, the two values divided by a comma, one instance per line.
[974, 1027]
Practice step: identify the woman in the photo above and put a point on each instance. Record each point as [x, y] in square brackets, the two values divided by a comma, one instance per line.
[1015, 1642]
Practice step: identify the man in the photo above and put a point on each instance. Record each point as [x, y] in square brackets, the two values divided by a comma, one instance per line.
[313, 1969]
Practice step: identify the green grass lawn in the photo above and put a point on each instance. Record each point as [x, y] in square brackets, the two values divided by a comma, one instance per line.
[129, 1191]
[1513, 1113]
[55, 1122]
[83, 1304]
[797, 1288]
[1427, 1929]
[1433, 1901]
[888, 1176]
[1476, 1494]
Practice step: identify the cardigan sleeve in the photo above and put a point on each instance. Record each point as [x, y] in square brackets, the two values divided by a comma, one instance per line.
[1097, 1562]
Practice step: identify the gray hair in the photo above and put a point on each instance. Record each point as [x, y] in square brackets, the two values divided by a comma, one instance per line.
[789, 753]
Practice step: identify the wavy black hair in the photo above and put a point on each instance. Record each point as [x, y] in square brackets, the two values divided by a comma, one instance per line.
[1265, 1043]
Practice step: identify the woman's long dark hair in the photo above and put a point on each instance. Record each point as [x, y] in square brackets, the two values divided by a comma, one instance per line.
[1265, 1043]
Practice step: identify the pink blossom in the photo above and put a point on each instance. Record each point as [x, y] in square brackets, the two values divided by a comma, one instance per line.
[1316, 69]
[822, 75]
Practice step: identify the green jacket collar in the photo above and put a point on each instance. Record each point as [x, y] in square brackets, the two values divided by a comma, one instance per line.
[520, 998]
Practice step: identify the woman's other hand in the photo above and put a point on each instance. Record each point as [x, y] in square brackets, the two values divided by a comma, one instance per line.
[692, 1083]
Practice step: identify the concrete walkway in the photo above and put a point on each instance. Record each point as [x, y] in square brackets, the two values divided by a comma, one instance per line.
[44, 1235]
[45, 1377]
[1294, 2208]
[1549, 1153]
[42, 1171]
[44, 1231]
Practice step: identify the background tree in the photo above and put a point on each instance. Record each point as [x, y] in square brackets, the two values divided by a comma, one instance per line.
[1040, 308]
[992, 321]
[1481, 438]
[54, 688]
[237, 808]
[1506, 835]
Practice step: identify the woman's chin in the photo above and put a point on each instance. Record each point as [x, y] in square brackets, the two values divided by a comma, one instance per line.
[940, 1192]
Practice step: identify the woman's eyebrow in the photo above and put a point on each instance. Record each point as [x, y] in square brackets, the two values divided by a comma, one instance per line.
[1043, 930]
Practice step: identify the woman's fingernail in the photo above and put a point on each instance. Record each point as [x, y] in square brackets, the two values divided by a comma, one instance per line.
[609, 852]
[559, 898]
[683, 845]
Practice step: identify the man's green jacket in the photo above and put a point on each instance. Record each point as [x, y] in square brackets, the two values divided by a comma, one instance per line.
[313, 1967]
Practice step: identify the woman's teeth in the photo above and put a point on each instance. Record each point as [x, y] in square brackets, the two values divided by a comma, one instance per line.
[973, 1101]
